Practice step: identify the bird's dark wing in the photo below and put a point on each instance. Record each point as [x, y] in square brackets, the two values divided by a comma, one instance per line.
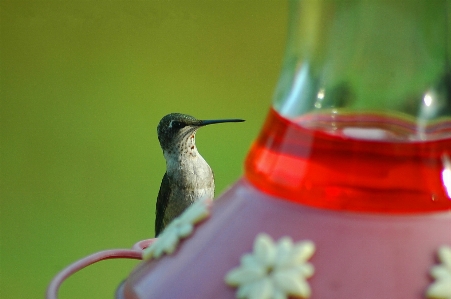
[162, 203]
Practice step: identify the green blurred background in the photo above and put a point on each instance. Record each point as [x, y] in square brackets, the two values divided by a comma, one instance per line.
[83, 85]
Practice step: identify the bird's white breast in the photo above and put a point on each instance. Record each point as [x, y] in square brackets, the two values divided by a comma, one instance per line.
[191, 178]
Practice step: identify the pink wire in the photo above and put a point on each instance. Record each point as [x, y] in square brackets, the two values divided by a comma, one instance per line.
[141, 245]
[135, 253]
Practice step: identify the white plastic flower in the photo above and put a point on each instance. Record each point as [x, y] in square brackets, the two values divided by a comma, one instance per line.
[273, 270]
[441, 287]
[180, 228]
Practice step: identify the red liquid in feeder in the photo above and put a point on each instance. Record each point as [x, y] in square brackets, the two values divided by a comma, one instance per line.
[371, 168]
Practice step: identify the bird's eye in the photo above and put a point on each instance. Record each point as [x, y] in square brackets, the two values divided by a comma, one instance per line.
[176, 124]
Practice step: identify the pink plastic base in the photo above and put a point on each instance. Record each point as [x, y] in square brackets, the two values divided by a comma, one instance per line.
[358, 255]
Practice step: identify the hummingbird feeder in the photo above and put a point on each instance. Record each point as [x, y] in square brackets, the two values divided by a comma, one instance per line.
[347, 189]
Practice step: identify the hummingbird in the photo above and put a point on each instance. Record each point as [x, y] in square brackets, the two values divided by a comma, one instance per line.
[188, 176]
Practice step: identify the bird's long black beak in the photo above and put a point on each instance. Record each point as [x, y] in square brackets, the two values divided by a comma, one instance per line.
[218, 121]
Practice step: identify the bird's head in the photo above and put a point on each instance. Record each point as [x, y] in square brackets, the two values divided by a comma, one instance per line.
[174, 128]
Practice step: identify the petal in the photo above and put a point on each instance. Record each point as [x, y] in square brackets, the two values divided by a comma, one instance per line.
[262, 289]
[306, 291]
[197, 211]
[284, 247]
[249, 260]
[291, 283]
[440, 272]
[171, 228]
[297, 256]
[170, 243]
[185, 230]
[303, 251]
[158, 251]
[278, 294]
[243, 275]
[244, 290]
[155, 250]
[439, 289]
[304, 270]
[285, 243]
[264, 249]
[444, 255]
[147, 253]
